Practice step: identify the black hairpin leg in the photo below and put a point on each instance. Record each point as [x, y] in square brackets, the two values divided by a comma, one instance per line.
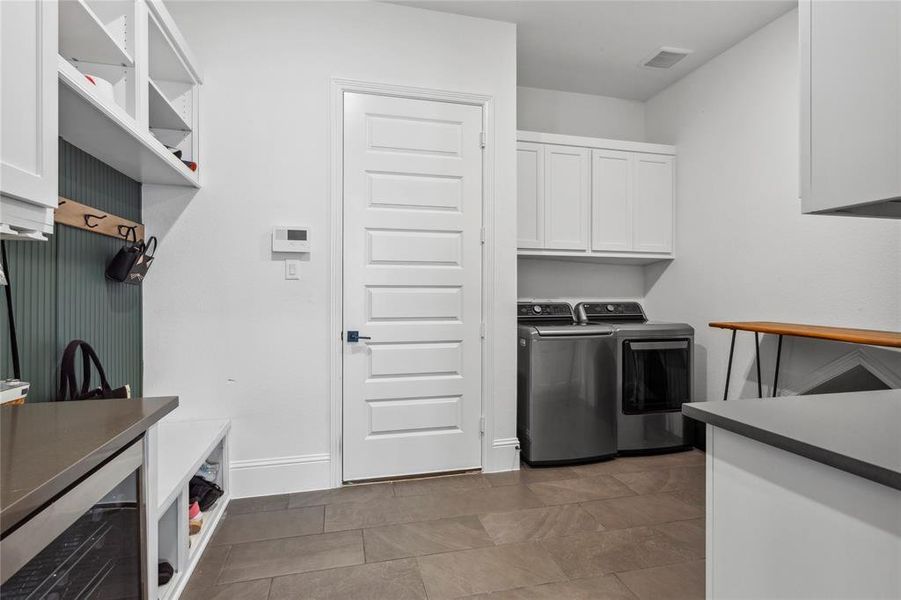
[729, 366]
[757, 350]
[776, 374]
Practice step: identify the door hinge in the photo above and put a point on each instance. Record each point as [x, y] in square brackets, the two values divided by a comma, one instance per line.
[483, 140]
[482, 235]
[482, 330]
[482, 425]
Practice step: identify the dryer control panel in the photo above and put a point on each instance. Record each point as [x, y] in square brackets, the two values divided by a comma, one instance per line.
[544, 311]
[610, 311]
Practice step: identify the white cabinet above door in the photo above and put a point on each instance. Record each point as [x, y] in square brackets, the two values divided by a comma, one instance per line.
[850, 98]
[653, 203]
[28, 119]
[530, 197]
[567, 183]
[595, 199]
[611, 200]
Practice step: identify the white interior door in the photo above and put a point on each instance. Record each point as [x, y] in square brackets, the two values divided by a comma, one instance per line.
[412, 285]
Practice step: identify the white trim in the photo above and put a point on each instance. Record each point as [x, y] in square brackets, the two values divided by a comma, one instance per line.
[504, 442]
[589, 142]
[859, 357]
[295, 474]
[338, 87]
[279, 461]
[504, 456]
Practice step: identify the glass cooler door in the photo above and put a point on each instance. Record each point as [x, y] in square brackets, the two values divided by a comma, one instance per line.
[86, 544]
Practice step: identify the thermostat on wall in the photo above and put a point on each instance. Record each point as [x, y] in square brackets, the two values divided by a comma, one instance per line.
[291, 239]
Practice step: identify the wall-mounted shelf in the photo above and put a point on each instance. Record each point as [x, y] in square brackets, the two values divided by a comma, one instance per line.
[619, 258]
[155, 88]
[162, 114]
[106, 131]
[83, 36]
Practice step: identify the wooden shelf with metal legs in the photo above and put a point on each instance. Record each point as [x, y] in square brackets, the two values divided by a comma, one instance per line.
[869, 337]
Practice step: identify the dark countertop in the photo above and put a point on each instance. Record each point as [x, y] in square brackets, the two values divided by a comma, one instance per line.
[45, 447]
[857, 432]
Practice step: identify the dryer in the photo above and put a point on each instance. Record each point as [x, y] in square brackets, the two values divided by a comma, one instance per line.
[653, 370]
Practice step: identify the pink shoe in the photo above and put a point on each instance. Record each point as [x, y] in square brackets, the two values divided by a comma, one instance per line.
[193, 510]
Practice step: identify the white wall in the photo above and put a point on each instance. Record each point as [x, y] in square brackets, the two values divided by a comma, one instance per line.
[223, 329]
[553, 111]
[541, 278]
[745, 251]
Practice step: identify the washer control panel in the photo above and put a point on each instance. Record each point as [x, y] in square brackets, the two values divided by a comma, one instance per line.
[620, 311]
[544, 310]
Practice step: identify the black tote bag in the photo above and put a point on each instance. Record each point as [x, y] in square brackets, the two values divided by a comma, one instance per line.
[68, 384]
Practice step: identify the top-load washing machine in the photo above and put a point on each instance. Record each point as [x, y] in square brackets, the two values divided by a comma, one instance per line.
[566, 386]
[653, 372]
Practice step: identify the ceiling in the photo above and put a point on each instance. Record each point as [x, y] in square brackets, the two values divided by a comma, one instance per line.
[596, 47]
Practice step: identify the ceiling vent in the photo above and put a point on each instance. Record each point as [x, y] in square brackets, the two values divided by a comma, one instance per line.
[664, 58]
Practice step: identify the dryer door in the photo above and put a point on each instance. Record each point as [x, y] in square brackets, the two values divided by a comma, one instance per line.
[656, 375]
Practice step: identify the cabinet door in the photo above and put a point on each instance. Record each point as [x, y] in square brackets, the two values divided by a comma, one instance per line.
[28, 117]
[653, 203]
[567, 177]
[850, 99]
[611, 200]
[529, 195]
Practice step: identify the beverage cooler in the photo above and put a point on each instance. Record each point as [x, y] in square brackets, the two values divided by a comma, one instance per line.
[86, 543]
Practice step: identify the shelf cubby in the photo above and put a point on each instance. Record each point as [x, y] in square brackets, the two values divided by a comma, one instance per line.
[183, 447]
[84, 37]
[164, 114]
[150, 107]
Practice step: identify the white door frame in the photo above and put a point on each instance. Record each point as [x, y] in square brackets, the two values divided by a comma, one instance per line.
[337, 90]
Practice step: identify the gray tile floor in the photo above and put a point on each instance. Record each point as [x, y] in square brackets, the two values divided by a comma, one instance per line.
[627, 528]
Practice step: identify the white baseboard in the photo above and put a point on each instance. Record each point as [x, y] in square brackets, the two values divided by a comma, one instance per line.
[503, 456]
[282, 475]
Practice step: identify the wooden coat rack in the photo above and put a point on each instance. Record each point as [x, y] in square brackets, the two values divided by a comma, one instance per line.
[82, 216]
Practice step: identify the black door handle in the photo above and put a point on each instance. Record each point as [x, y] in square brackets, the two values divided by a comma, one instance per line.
[354, 336]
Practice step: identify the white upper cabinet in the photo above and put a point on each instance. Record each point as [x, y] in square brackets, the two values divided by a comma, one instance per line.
[530, 199]
[595, 199]
[567, 181]
[653, 203]
[851, 107]
[611, 200]
[28, 115]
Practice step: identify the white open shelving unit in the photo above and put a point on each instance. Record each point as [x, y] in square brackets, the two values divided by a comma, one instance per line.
[155, 100]
[182, 447]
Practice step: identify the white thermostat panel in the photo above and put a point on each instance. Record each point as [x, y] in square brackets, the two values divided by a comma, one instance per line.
[291, 239]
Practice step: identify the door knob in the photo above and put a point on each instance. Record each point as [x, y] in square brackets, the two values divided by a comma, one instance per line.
[354, 336]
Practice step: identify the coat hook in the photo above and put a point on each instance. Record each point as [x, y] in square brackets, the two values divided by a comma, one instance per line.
[126, 230]
[88, 216]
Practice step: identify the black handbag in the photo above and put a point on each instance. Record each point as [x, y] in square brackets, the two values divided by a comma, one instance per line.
[131, 263]
[204, 492]
[68, 385]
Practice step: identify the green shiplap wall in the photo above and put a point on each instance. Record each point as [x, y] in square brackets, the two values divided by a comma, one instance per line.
[61, 294]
